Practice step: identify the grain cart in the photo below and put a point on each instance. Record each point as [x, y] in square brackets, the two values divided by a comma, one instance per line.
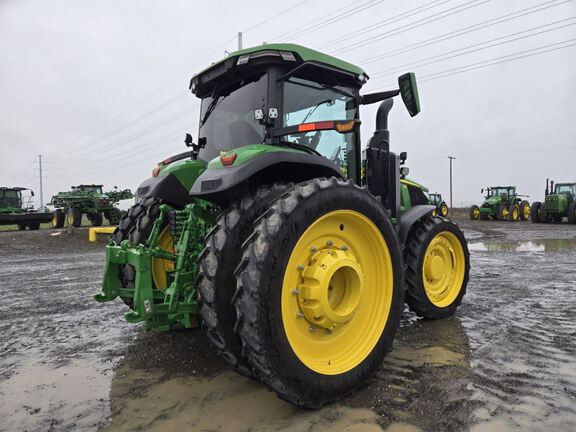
[441, 206]
[501, 203]
[559, 202]
[265, 231]
[88, 200]
[14, 211]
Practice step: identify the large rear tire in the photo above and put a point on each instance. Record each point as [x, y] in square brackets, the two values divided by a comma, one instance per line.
[437, 268]
[514, 213]
[524, 210]
[572, 213]
[74, 217]
[216, 282]
[320, 291]
[58, 219]
[536, 212]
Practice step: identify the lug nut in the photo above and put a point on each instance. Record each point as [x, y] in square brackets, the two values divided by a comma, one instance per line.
[311, 329]
[300, 267]
[299, 315]
[295, 291]
[313, 249]
[344, 248]
[329, 243]
[327, 331]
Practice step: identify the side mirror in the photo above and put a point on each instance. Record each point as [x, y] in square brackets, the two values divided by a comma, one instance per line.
[188, 140]
[482, 190]
[409, 93]
[32, 193]
[403, 157]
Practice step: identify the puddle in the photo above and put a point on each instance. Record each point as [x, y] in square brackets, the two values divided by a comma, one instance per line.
[224, 402]
[545, 245]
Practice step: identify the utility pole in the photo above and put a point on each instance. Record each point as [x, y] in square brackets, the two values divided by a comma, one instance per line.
[239, 40]
[41, 185]
[451, 159]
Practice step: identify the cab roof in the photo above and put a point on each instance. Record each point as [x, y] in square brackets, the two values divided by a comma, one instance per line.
[291, 55]
[17, 188]
[410, 182]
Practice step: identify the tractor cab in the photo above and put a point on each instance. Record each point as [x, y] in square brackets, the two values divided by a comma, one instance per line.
[12, 200]
[92, 188]
[504, 192]
[568, 189]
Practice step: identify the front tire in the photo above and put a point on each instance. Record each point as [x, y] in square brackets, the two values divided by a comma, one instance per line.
[320, 291]
[474, 212]
[443, 210]
[58, 219]
[525, 210]
[514, 213]
[437, 268]
[503, 212]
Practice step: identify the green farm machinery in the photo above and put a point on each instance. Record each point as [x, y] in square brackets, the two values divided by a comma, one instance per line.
[501, 203]
[88, 199]
[441, 207]
[294, 254]
[14, 211]
[559, 203]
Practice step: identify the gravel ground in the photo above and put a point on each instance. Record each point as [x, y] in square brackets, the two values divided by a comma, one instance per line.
[506, 361]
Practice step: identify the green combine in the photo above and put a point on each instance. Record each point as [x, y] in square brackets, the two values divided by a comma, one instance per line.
[14, 211]
[88, 200]
[295, 260]
[559, 203]
[441, 207]
[501, 203]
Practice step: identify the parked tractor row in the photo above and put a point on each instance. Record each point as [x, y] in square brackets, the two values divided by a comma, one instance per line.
[504, 204]
[15, 209]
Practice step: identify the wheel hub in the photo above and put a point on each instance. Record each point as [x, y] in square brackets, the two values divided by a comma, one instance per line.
[434, 268]
[331, 288]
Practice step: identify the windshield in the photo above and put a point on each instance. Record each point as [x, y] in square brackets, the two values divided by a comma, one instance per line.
[10, 198]
[566, 189]
[306, 102]
[501, 191]
[227, 120]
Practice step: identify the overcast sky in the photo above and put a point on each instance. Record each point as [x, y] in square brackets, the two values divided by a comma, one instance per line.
[100, 88]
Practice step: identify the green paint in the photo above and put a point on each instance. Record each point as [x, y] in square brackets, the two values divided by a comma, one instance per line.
[250, 152]
[306, 54]
[185, 170]
[174, 307]
[557, 203]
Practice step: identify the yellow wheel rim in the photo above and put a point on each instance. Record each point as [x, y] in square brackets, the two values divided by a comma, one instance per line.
[54, 220]
[161, 266]
[444, 210]
[526, 212]
[337, 292]
[443, 269]
[505, 213]
[434, 212]
[515, 213]
[476, 213]
[70, 218]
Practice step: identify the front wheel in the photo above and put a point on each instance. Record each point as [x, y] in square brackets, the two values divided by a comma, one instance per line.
[320, 291]
[536, 212]
[474, 212]
[437, 268]
[443, 210]
[514, 213]
[524, 210]
[503, 212]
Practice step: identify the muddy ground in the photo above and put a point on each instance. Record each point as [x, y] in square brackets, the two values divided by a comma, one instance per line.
[506, 361]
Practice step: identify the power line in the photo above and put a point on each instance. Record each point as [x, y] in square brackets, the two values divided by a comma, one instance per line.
[314, 24]
[385, 22]
[415, 24]
[273, 17]
[425, 62]
[465, 30]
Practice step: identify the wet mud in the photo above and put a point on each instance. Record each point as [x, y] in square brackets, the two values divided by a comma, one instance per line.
[506, 361]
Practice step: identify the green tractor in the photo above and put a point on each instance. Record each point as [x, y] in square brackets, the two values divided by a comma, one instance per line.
[88, 200]
[14, 211]
[559, 202]
[441, 207]
[296, 261]
[501, 203]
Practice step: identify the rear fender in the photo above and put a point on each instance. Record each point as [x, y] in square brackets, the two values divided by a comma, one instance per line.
[224, 184]
[410, 217]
